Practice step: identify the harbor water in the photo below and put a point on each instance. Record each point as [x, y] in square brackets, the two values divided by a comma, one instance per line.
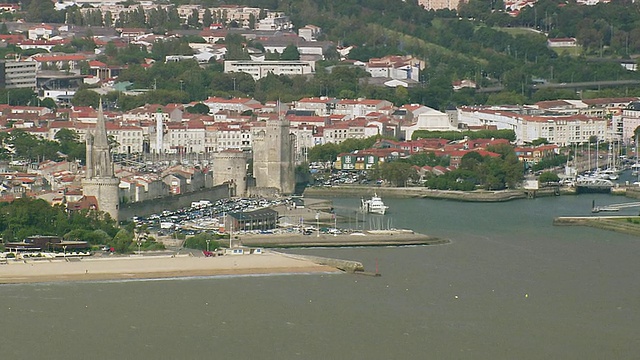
[508, 286]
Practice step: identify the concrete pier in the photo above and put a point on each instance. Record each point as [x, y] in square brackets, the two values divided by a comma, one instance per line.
[366, 238]
[623, 224]
[344, 265]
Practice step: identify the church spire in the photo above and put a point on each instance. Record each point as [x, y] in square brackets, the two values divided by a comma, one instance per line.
[101, 130]
[98, 154]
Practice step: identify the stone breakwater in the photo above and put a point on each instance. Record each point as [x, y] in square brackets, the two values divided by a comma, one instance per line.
[367, 238]
[344, 265]
[622, 224]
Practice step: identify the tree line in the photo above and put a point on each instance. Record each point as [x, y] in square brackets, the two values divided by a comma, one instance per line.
[22, 145]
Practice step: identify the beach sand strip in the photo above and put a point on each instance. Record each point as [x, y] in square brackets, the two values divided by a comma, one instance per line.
[152, 267]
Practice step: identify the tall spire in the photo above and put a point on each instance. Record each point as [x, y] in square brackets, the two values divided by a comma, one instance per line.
[98, 154]
[100, 135]
[99, 181]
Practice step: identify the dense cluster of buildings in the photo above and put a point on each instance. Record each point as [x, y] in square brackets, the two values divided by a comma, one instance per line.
[205, 150]
[202, 151]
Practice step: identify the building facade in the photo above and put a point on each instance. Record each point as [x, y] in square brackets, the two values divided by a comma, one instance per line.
[18, 74]
[273, 149]
[260, 69]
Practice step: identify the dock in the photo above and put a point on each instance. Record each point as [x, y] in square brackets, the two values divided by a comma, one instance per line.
[622, 224]
[365, 238]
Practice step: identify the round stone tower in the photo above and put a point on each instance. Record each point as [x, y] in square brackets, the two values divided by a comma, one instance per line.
[231, 166]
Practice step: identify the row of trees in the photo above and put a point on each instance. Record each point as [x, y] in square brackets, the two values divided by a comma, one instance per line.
[27, 217]
[25, 146]
[459, 135]
[492, 173]
[329, 151]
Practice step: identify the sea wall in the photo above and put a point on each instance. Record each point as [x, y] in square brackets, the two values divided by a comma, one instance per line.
[622, 224]
[344, 265]
[415, 192]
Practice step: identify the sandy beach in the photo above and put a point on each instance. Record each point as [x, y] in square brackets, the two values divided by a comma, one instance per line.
[150, 267]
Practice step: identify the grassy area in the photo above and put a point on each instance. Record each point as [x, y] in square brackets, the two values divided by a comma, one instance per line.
[519, 31]
[571, 51]
[412, 41]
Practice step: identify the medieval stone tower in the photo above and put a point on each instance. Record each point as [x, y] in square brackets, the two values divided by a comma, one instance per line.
[230, 166]
[273, 157]
[99, 180]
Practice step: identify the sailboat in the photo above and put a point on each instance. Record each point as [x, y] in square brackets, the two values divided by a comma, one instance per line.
[595, 181]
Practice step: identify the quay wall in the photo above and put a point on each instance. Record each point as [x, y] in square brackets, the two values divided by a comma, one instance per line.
[174, 202]
[415, 192]
[622, 224]
[471, 196]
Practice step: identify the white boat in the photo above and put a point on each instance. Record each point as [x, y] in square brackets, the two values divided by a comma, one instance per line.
[374, 205]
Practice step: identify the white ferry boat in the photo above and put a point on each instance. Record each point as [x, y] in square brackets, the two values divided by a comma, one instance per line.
[374, 205]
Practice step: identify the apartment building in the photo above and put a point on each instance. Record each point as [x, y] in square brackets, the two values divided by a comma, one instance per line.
[18, 74]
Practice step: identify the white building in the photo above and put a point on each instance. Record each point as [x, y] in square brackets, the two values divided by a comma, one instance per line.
[309, 32]
[630, 121]
[129, 139]
[431, 119]
[260, 69]
[40, 32]
[352, 108]
[559, 130]
[275, 21]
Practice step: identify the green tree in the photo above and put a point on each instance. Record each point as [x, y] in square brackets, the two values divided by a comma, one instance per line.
[199, 241]
[290, 53]
[548, 177]
[198, 108]
[207, 19]
[398, 173]
[86, 97]
[123, 241]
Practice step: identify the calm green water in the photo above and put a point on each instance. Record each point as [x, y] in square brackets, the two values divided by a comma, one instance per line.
[509, 286]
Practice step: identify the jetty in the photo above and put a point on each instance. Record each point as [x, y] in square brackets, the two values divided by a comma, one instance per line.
[623, 224]
[355, 239]
[614, 207]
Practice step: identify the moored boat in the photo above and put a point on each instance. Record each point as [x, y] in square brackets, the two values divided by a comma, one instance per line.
[375, 205]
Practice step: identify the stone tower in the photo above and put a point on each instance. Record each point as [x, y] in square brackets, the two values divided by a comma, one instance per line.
[231, 166]
[273, 157]
[99, 180]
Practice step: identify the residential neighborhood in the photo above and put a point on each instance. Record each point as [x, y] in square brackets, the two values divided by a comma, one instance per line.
[168, 148]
